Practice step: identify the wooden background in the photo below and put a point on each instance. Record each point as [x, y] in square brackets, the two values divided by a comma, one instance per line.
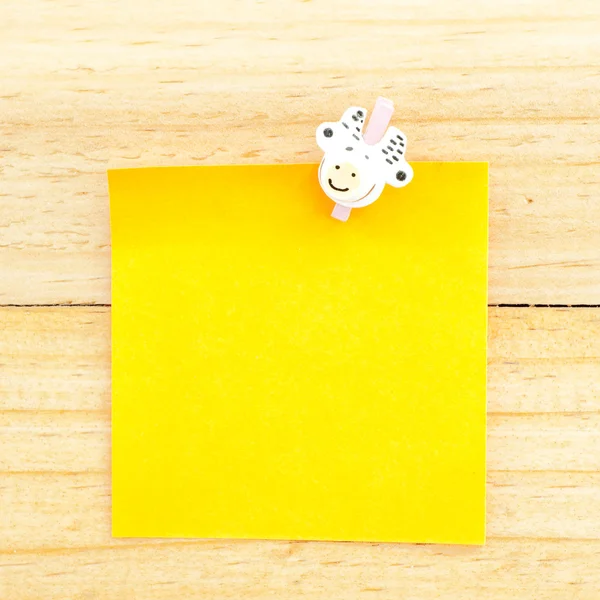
[89, 85]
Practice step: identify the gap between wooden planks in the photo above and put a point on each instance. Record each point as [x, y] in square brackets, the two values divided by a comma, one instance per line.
[543, 481]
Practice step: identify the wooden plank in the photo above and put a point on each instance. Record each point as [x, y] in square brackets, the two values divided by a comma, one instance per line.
[55, 359]
[303, 34]
[544, 228]
[55, 413]
[505, 569]
[174, 88]
[540, 360]
[79, 441]
[45, 511]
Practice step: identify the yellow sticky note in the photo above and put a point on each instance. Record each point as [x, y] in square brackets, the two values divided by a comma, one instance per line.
[278, 374]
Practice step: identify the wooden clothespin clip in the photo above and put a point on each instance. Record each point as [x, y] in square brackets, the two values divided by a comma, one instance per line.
[356, 167]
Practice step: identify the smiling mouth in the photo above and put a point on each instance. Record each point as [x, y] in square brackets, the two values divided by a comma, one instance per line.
[337, 188]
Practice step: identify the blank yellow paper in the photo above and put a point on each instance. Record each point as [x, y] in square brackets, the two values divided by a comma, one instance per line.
[280, 374]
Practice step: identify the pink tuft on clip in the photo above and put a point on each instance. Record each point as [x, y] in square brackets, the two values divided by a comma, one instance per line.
[341, 213]
[379, 121]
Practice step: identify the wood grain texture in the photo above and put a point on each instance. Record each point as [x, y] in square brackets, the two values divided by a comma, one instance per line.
[91, 86]
[543, 482]
[504, 570]
[88, 86]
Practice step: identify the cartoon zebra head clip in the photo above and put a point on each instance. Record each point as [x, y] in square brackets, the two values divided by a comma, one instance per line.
[356, 168]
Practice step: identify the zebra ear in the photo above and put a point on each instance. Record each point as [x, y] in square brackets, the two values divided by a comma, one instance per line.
[402, 176]
[353, 120]
[346, 132]
[391, 150]
[328, 136]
